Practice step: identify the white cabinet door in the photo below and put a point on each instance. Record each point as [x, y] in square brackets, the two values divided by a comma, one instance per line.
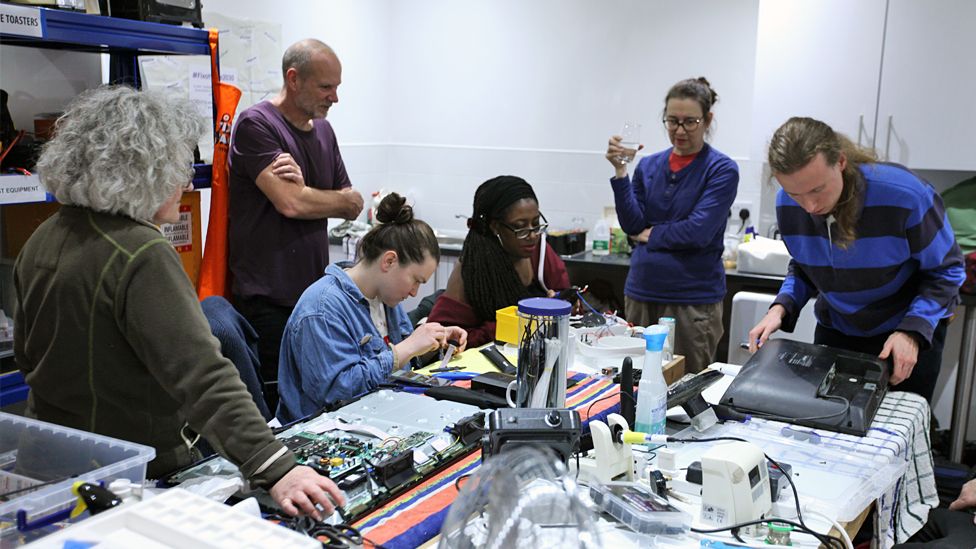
[927, 116]
[817, 58]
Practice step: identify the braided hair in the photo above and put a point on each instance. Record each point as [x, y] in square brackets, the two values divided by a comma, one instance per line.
[412, 239]
[490, 279]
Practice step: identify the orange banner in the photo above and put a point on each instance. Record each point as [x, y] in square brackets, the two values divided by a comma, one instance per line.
[214, 275]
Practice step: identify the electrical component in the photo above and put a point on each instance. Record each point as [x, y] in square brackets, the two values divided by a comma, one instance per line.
[735, 484]
[555, 428]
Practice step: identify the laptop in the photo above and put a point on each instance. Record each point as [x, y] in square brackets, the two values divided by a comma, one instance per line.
[812, 385]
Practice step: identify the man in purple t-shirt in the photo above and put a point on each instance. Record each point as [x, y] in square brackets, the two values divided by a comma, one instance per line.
[286, 179]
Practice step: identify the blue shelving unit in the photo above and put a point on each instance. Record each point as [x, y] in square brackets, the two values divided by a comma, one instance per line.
[82, 32]
[67, 30]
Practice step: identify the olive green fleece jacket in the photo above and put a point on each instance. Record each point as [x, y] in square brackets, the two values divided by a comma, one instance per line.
[111, 339]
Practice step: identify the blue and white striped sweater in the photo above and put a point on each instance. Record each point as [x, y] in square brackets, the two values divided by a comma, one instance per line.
[902, 271]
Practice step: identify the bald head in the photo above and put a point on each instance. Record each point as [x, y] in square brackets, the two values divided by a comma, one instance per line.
[302, 54]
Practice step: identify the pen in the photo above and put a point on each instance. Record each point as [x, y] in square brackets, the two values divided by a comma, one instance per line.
[446, 369]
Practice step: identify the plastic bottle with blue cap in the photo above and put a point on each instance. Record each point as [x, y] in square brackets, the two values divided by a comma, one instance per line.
[652, 392]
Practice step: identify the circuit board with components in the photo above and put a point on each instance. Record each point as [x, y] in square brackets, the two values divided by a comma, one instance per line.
[373, 449]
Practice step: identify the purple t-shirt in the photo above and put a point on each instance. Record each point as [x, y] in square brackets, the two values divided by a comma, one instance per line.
[271, 255]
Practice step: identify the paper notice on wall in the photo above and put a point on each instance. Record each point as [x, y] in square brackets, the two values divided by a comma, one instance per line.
[21, 188]
[201, 90]
[180, 234]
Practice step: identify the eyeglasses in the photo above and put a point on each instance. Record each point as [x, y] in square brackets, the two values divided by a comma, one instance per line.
[527, 232]
[689, 124]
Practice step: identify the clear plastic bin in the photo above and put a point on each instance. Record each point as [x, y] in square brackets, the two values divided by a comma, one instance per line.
[636, 506]
[37, 453]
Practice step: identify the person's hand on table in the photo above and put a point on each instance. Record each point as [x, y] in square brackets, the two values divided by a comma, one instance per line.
[966, 499]
[301, 489]
[903, 350]
[769, 324]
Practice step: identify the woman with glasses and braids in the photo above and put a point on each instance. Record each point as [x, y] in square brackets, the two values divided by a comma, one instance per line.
[872, 242]
[500, 263]
[675, 207]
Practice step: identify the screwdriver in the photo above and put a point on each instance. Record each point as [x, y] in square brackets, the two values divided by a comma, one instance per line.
[452, 346]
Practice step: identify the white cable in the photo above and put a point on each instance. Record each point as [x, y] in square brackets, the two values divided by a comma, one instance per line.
[837, 526]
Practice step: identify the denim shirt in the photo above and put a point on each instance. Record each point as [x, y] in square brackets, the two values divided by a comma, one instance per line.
[331, 350]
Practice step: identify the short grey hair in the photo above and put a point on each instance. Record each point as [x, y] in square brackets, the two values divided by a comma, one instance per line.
[121, 151]
[299, 55]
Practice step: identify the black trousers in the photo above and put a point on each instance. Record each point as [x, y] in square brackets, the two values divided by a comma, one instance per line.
[268, 319]
[944, 529]
[926, 371]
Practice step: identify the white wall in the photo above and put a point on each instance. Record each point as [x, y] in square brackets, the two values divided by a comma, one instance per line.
[438, 96]
[535, 89]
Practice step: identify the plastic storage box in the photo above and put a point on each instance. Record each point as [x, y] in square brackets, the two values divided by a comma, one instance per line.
[636, 506]
[177, 519]
[507, 325]
[35, 452]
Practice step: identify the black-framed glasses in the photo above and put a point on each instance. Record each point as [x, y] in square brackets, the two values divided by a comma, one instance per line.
[689, 124]
[527, 232]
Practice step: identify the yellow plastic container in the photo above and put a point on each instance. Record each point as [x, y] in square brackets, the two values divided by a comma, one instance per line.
[506, 325]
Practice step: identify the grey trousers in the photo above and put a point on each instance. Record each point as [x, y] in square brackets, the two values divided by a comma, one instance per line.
[697, 331]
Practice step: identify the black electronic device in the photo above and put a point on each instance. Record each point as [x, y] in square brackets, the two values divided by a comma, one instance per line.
[175, 12]
[628, 406]
[409, 377]
[555, 428]
[493, 383]
[812, 385]
[498, 360]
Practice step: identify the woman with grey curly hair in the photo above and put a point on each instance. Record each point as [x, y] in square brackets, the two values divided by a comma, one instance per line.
[122, 151]
[109, 334]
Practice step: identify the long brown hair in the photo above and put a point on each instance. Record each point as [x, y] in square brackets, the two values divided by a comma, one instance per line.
[799, 140]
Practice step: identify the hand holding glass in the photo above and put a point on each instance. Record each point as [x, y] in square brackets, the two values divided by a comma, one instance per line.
[630, 141]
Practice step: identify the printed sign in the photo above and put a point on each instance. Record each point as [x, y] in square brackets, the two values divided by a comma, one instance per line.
[21, 188]
[180, 234]
[21, 21]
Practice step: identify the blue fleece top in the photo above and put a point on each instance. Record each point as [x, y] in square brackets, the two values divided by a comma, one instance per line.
[682, 260]
[331, 350]
[902, 271]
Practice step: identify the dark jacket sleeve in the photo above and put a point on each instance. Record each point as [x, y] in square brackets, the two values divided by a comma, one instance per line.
[158, 311]
[451, 312]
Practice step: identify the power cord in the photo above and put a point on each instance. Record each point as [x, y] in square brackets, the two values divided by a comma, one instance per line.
[590, 407]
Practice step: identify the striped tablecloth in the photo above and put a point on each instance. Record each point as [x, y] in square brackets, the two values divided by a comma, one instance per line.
[417, 515]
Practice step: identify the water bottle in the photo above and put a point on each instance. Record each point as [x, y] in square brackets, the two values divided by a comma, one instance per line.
[601, 237]
[652, 392]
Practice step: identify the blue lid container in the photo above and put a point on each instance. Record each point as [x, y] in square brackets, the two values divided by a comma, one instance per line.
[544, 306]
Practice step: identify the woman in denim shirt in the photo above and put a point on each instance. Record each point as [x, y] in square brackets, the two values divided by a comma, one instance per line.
[348, 331]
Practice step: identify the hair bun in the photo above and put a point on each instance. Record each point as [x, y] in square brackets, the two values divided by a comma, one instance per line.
[704, 81]
[394, 209]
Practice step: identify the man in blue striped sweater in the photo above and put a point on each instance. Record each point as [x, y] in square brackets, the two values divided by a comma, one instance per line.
[873, 243]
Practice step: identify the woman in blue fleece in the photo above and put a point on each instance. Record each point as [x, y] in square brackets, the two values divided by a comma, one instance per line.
[676, 207]
[348, 330]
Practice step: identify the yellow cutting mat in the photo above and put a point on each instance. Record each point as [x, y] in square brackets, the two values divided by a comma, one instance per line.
[471, 360]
